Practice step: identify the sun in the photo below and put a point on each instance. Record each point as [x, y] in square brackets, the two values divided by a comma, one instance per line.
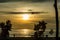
[25, 16]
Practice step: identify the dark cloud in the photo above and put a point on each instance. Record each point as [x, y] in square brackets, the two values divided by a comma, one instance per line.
[39, 0]
[24, 0]
[22, 12]
[4, 0]
[27, 0]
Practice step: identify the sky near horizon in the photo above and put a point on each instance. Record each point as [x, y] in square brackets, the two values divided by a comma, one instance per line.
[25, 5]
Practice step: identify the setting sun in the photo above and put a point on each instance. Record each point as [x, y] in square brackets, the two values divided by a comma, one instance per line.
[25, 16]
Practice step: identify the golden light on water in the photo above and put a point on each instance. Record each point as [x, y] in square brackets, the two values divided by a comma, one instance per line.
[26, 31]
[22, 32]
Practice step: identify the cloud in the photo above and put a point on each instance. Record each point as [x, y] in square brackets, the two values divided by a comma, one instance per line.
[1, 1]
[25, 0]
[4, 0]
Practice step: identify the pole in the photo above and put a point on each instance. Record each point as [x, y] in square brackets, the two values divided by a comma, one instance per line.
[57, 21]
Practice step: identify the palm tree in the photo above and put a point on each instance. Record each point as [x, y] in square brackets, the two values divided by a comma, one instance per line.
[57, 21]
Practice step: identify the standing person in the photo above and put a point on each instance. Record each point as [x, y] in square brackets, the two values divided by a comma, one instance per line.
[8, 27]
[2, 26]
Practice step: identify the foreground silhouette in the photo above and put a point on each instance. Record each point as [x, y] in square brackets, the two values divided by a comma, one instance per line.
[39, 29]
[5, 28]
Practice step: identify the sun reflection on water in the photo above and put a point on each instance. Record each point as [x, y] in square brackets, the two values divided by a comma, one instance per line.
[23, 33]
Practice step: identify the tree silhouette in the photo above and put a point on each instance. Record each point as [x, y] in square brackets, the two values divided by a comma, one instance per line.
[43, 26]
[40, 28]
[57, 20]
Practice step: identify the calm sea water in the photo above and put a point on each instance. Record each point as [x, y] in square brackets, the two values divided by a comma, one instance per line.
[28, 33]
[25, 28]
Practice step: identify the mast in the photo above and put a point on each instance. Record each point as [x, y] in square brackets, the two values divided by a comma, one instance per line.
[57, 21]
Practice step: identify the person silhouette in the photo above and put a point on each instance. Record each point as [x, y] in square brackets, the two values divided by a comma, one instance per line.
[2, 26]
[8, 27]
[5, 29]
